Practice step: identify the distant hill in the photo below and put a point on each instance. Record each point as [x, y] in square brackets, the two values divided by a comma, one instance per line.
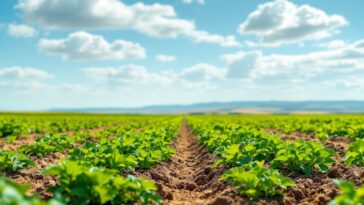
[247, 107]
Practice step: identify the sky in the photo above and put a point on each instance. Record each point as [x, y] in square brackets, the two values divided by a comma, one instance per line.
[124, 53]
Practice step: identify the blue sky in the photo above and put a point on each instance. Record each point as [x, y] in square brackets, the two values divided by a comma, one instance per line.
[101, 53]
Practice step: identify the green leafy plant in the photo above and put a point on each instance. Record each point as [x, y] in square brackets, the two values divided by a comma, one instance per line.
[130, 150]
[355, 153]
[15, 194]
[304, 156]
[13, 161]
[350, 195]
[104, 155]
[81, 184]
[257, 181]
[47, 145]
[10, 128]
[253, 146]
[357, 132]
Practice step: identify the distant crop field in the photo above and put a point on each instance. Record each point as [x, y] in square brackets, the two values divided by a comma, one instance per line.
[62, 159]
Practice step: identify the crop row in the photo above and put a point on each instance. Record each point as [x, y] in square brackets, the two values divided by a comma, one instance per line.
[323, 126]
[96, 169]
[255, 157]
[12, 125]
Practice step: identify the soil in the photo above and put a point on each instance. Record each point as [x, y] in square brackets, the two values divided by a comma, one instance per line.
[188, 177]
[39, 183]
[31, 175]
[325, 181]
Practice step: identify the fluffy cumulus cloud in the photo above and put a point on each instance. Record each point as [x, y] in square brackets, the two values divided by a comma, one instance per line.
[86, 46]
[333, 44]
[154, 20]
[157, 20]
[165, 58]
[198, 36]
[19, 73]
[125, 75]
[201, 73]
[281, 21]
[241, 63]
[327, 63]
[33, 81]
[21, 31]
[346, 82]
[193, 1]
[23, 78]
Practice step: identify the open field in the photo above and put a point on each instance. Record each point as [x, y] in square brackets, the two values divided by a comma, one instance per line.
[172, 159]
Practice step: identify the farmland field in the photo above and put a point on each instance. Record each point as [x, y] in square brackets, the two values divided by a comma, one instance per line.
[174, 159]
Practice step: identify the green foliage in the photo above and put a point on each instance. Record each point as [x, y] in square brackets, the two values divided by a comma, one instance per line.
[238, 146]
[13, 161]
[323, 137]
[10, 128]
[350, 195]
[257, 181]
[48, 145]
[130, 150]
[256, 146]
[304, 156]
[357, 132]
[81, 184]
[355, 153]
[103, 154]
[15, 194]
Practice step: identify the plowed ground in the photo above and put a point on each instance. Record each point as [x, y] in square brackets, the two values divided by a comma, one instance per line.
[188, 177]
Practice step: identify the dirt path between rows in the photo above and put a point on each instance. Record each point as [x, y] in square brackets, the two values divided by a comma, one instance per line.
[187, 178]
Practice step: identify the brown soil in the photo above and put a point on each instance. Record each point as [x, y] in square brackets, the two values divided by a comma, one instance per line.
[339, 145]
[31, 175]
[187, 178]
[324, 182]
[20, 141]
[39, 183]
[311, 190]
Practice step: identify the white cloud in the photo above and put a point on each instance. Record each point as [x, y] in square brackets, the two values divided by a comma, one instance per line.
[24, 79]
[256, 65]
[19, 73]
[333, 44]
[193, 1]
[125, 75]
[346, 82]
[165, 58]
[21, 31]
[281, 21]
[156, 20]
[200, 75]
[205, 37]
[241, 63]
[202, 72]
[27, 80]
[86, 46]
